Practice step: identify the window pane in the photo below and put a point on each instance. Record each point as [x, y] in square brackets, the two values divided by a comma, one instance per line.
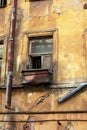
[1, 50]
[43, 45]
[47, 61]
[0, 65]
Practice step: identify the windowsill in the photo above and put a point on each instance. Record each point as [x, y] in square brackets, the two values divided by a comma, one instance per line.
[36, 76]
[33, 70]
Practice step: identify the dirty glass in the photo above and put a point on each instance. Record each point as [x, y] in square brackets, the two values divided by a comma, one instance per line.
[0, 68]
[1, 50]
[41, 46]
[0, 65]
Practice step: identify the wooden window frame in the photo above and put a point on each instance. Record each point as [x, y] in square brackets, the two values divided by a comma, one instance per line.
[33, 55]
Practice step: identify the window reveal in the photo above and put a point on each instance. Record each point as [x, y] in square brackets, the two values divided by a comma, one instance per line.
[3, 3]
[1, 51]
[40, 51]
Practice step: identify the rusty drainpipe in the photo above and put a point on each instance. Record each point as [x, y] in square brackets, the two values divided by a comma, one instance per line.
[10, 58]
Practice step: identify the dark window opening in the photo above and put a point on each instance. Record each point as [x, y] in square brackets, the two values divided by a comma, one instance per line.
[1, 51]
[85, 6]
[3, 3]
[36, 62]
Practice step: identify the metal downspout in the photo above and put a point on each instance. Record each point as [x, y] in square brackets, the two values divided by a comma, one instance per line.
[72, 92]
[10, 57]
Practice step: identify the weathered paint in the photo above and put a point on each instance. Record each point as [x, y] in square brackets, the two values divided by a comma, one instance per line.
[38, 76]
[22, 109]
[69, 37]
[66, 21]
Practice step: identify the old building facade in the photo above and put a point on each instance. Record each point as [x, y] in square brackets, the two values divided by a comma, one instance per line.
[49, 59]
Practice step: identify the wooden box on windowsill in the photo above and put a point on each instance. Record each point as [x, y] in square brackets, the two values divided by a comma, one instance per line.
[36, 76]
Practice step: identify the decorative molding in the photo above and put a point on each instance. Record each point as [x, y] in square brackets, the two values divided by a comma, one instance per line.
[40, 31]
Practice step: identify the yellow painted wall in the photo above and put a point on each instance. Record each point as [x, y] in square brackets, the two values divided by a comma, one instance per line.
[69, 51]
[49, 112]
[68, 19]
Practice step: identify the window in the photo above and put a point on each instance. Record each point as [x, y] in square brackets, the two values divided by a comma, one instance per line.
[85, 6]
[1, 51]
[40, 51]
[3, 3]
